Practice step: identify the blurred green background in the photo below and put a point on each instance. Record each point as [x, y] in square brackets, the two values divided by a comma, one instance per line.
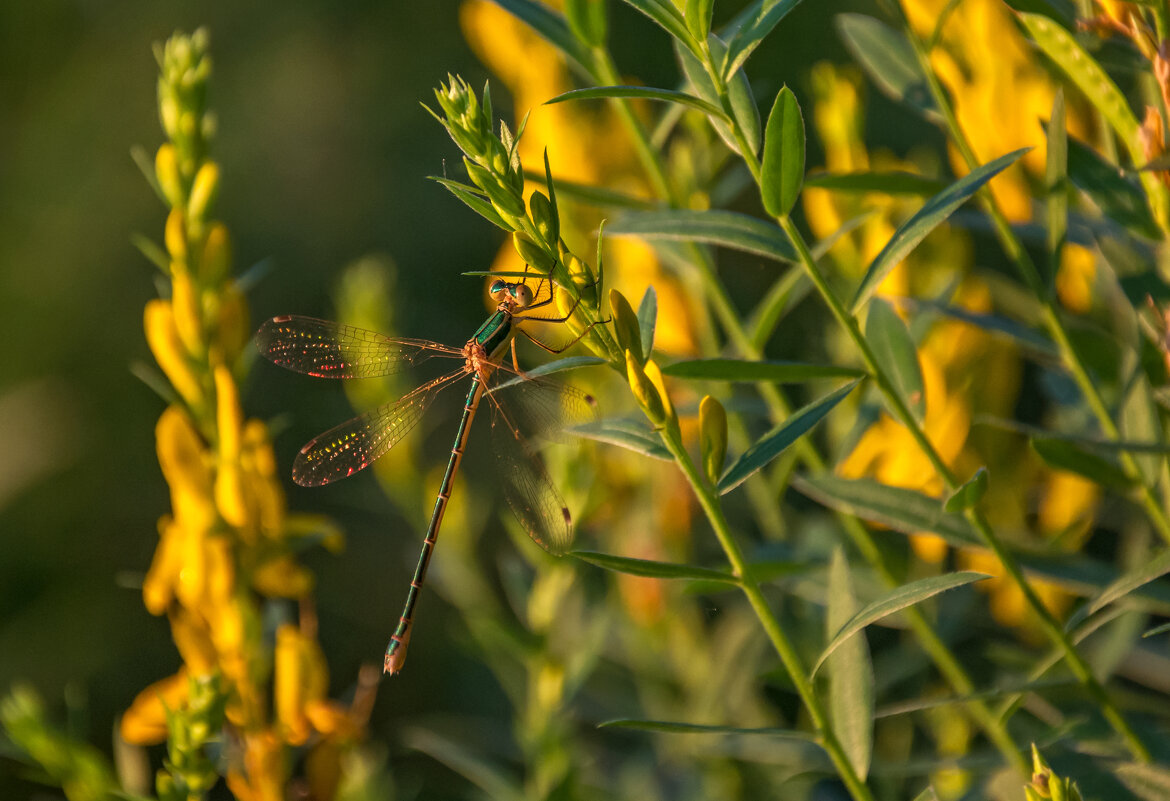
[325, 152]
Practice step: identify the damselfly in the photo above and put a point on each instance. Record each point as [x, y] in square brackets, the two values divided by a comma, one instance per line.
[331, 350]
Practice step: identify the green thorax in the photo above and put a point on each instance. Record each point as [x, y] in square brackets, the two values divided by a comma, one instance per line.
[495, 333]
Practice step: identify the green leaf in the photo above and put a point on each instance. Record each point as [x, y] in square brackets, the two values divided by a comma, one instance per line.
[896, 600]
[772, 444]
[471, 196]
[1018, 332]
[896, 354]
[1063, 454]
[1149, 570]
[1156, 630]
[483, 774]
[1118, 198]
[649, 569]
[1056, 184]
[665, 14]
[548, 368]
[625, 434]
[594, 195]
[1094, 82]
[153, 252]
[912, 512]
[642, 93]
[765, 14]
[1140, 421]
[927, 795]
[648, 319]
[927, 218]
[966, 496]
[698, 18]
[888, 183]
[888, 59]
[771, 371]
[900, 509]
[715, 226]
[739, 95]
[554, 28]
[851, 683]
[587, 19]
[671, 727]
[783, 167]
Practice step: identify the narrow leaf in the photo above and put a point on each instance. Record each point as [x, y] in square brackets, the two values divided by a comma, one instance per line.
[479, 771]
[888, 59]
[1119, 198]
[900, 509]
[698, 18]
[774, 372]
[888, 183]
[1064, 454]
[470, 196]
[665, 14]
[937, 209]
[625, 434]
[1141, 421]
[716, 227]
[1156, 630]
[152, 251]
[648, 319]
[650, 569]
[772, 444]
[783, 166]
[1129, 581]
[851, 682]
[548, 368]
[894, 601]
[739, 96]
[1056, 184]
[554, 28]
[641, 93]
[969, 494]
[765, 16]
[896, 354]
[670, 727]
[927, 795]
[595, 195]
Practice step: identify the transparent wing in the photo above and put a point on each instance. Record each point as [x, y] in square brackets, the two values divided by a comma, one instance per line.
[331, 350]
[342, 451]
[540, 409]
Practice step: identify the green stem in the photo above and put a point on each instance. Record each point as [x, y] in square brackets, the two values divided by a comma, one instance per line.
[1049, 312]
[944, 659]
[784, 647]
[1048, 623]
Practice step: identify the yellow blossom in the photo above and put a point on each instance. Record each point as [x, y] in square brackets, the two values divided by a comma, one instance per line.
[145, 722]
[169, 352]
[1075, 279]
[300, 677]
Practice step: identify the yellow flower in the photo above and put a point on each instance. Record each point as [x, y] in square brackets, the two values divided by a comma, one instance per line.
[163, 338]
[145, 722]
[300, 678]
[1075, 279]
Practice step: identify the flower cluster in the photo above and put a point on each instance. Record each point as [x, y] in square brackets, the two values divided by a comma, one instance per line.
[229, 543]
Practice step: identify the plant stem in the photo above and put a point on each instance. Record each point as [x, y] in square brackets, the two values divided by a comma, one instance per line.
[1048, 623]
[710, 503]
[944, 659]
[1049, 313]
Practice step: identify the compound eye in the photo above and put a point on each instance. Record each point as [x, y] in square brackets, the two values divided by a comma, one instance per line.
[522, 295]
[498, 288]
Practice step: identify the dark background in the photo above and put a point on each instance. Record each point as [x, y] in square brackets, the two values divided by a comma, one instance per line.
[324, 152]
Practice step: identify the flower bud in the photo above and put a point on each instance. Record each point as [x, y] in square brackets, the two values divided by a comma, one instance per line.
[188, 312]
[644, 391]
[654, 373]
[175, 236]
[712, 437]
[166, 171]
[169, 352]
[625, 325]
[532, 253]
[545, 219]
[204, 191]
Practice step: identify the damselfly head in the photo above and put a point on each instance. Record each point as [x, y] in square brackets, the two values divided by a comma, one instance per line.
[518, 296]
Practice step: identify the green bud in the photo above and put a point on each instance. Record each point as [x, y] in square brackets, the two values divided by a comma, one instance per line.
[625, 325]
[543, 217]
[532, 253]
[507, 203]
[582, 278]
[644, 390]
[712, 437]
